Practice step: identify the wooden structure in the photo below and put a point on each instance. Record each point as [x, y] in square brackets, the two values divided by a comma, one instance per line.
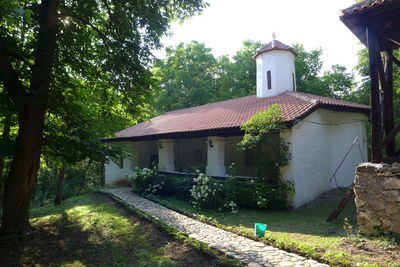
[377, 24]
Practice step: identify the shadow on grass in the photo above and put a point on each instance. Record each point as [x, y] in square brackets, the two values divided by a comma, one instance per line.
[86, 232]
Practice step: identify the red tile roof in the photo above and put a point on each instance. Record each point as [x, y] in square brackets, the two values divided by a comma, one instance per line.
[229, 115]
[275, 45]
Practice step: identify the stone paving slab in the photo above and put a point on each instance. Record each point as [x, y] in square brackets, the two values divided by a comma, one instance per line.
[246, 250]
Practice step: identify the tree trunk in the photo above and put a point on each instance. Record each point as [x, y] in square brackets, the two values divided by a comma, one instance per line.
[4, 136]
[60, 185]
[31, 106]
[23, 173]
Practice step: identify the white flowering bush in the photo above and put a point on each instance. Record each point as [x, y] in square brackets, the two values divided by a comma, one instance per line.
[209, 193]
[205, 192]
[231, 206]
[153, 189]
[232, 170]
[143, 180]
[262, 201]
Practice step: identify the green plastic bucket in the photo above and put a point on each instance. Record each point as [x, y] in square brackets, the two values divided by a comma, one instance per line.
[260, 229]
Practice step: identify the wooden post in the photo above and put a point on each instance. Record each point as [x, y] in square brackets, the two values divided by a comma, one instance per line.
[373, 50]
[388, 96]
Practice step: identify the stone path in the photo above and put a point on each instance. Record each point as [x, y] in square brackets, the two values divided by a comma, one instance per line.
[248, 251]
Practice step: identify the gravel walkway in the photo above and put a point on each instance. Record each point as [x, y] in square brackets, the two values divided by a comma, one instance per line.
[248, 251]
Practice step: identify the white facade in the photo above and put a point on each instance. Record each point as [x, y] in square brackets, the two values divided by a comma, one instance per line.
[118, 171]
[216, 156]
[166, 155]
[318, 143]
[317, 149]
[275, 73]
[140, 155]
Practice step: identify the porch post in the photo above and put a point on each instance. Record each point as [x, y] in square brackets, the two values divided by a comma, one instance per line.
[376, 115]
[166, 155]
[216, 156]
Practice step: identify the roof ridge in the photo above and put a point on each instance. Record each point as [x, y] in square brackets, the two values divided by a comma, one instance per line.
[303, 97]
[207, 104]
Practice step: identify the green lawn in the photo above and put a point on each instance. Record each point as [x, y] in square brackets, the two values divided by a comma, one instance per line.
[93, 230]
[306, 230]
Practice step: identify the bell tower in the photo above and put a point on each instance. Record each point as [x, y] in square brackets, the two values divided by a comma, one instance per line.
[275, 69]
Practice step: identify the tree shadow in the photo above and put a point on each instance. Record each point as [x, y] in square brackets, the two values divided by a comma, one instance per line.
[129, 240]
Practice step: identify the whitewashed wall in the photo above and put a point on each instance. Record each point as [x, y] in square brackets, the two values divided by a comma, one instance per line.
[113, 172]
[140, 153]
[281, 65]
[318, 149]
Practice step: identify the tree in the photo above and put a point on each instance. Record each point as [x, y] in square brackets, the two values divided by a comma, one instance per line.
[336, 82]
[186, 77]
[308, 66]
[237, 77]
[105, 45]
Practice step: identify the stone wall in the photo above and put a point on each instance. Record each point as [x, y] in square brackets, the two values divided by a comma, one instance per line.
[377, 190]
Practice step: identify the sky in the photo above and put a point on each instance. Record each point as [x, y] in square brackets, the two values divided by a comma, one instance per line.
[225, 24]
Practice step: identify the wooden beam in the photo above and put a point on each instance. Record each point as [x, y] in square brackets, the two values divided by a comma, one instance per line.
[348, 195]
[386, 82]
[388, 99]
[373, 50]
[393, 58]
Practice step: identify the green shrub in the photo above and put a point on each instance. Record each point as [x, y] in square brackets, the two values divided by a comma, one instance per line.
[178, 186]
[143, 180]
[245, 195]
[207, 192]
[262, 136]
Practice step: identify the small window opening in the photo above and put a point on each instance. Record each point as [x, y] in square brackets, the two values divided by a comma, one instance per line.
[269, 80]
[293, 82]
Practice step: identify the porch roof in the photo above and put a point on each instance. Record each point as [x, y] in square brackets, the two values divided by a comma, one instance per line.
[382, 14]
[225, 118]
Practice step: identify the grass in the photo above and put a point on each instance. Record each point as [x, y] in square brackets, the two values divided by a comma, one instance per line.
[305, 231]
[92, 230]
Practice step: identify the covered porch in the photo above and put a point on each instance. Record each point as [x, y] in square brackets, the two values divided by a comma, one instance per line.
[212, 155]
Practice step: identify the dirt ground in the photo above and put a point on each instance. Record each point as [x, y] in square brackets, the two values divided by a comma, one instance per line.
[384, 250]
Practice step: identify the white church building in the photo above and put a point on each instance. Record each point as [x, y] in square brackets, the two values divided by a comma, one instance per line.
[320, 132]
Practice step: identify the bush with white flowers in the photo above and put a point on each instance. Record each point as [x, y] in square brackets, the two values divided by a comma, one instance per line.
[153, 189]
[232, 206]
[209, 193]
[205, 192]
[143, 180]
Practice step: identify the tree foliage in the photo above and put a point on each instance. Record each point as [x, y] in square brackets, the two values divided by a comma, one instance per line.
[186, 78]
[336, 82]
[237, 77]
[73, 71]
